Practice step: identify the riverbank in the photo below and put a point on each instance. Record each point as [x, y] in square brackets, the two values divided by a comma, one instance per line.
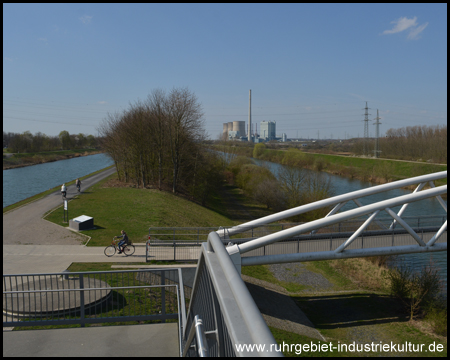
[375, 171]
[17, 160]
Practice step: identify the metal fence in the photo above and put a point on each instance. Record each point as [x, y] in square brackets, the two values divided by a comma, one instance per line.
[183, 247]
[197, 235]
[67, 298]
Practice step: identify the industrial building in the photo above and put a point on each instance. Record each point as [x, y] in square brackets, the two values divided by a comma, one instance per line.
[268, 130]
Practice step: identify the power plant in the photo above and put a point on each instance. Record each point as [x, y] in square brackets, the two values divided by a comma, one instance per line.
[240, 131]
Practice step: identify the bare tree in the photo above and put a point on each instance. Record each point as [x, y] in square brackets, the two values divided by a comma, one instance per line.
[292, 184]
[156, 109]
[158, 142]
[185, 127]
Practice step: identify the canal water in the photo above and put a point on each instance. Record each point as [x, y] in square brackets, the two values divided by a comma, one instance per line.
[21, 183]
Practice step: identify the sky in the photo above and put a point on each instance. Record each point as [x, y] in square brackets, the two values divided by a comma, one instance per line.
[311, 68]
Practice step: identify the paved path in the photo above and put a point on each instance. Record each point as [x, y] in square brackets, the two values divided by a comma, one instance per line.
[25, 225]
[27, 259]
[125, 341]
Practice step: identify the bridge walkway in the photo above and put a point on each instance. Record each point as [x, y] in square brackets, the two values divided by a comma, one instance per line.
[154, 340]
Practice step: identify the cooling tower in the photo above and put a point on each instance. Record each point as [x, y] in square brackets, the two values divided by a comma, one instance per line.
[239, 126]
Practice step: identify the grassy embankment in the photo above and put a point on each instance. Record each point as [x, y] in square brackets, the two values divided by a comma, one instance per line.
[358, 302]
[26, 159]
[367, 169]
[115, 207]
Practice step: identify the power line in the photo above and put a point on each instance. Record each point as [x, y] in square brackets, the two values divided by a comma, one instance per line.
[53, 122]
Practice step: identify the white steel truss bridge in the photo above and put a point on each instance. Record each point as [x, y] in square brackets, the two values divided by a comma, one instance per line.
[222, 309]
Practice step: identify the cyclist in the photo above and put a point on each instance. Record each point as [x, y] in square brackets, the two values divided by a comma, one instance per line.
[78, 184]
[63, 190]
[122, 242]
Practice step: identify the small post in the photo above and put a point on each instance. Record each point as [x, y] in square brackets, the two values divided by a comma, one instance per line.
[66, 209]
[82, 319]
[163, 296]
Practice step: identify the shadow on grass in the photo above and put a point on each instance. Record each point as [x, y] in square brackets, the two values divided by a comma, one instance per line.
[96, 227]
[283, 308]
[349, 310]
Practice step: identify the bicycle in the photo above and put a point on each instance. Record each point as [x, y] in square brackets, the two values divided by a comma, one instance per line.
[79, 187]
[127, 249]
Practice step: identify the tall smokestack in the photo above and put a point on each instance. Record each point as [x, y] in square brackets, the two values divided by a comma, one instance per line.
[250, 115]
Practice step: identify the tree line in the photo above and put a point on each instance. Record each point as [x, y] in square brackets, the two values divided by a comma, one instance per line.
[26, 142]
[157, 142]
[411, 143]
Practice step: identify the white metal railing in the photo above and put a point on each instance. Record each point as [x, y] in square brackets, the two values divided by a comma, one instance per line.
[230, 317]
[339, 201]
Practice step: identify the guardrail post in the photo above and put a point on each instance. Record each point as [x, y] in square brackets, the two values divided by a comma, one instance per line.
[163, 296]
[82, 314]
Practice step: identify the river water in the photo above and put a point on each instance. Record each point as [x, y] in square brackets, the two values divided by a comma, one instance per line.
[21, 183]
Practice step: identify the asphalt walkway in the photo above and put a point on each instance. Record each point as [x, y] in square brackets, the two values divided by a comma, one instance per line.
[126, 341]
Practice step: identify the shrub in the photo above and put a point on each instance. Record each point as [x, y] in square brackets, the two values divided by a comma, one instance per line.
[415, 290]
[251, 175]
[268, 192]
[258, 150]
[235, 166]
[437, 316]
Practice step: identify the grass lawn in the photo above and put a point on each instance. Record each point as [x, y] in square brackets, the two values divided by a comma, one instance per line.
[398, 169]
[135, 211]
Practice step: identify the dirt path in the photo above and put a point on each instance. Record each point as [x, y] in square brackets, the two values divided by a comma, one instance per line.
[235, 210]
